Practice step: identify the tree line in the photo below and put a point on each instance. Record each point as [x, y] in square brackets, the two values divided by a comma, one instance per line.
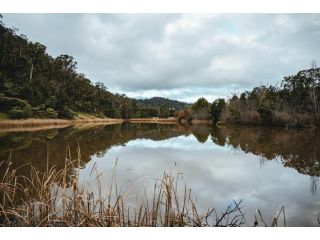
[295, 103]
[35, 84]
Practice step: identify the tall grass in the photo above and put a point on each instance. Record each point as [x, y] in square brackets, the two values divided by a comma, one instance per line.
[169, 120]
[27, 123]
[55, 198]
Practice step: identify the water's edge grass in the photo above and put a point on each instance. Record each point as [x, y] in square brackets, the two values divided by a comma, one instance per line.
[55, 198]
[42, 124]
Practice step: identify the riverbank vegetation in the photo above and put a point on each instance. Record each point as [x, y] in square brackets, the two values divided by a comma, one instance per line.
[295, 103]
[55, 198]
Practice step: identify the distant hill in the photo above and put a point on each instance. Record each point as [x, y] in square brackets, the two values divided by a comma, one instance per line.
[155, 102]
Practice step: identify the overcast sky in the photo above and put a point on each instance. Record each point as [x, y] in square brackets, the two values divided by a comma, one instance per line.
[179, 56]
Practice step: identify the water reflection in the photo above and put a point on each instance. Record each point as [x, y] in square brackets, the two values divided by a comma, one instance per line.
[267, 168]
[296, 149]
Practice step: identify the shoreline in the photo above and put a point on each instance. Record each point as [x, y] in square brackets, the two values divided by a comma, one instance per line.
[39, 124]
[34, 122]
[170, 120]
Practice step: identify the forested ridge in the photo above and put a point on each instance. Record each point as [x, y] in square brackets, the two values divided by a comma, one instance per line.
[35, 84]
[155, 102]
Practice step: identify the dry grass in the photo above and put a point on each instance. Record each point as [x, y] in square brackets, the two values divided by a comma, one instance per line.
[286, 119]
[40, 124]
[36, 123]
[55, 198]
[30, 129]
[170, 120]
[250, 118]
[199, 121]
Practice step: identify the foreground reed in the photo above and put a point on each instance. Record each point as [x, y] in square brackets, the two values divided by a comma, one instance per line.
[55, 198]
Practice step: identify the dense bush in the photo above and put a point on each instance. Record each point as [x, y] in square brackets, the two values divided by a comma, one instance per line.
[17, 113]
[217, 107]
[266, 115]
[201, 109]
[234, 112]
[9, 103]
[39, 111]
[185, 115]
[51, 113]
[66, 113]
[164, 111]
[51, 102]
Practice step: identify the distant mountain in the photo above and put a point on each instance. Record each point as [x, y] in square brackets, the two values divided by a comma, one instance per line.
[155, 102]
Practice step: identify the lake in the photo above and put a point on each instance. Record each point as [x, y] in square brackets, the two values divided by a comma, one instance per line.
[266, 168]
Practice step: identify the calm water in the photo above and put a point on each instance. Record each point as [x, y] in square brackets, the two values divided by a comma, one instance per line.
[266, 168]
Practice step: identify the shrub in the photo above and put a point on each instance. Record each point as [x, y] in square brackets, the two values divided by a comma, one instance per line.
[185, 114]
[66, 113]
[9, 103]
[51, 113]
[3, 116]
[201, 109]
[100, 115]
[266, 115]
[250, 117]
[138, 114]
[163, 111]
[51, 102]
[200, 104]
[202, 114]
[39, 111]
[172, 112]
[221, 124]
[15, 107]
[217, 107]
[234, 112]
[17, 113]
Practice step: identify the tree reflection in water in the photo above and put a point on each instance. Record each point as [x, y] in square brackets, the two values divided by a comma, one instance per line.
[298, 149]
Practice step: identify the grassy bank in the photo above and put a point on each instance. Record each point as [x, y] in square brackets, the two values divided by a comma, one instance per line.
[199, 122]
[170, 120]
[55, 198]
[32, 122]
[38, 124]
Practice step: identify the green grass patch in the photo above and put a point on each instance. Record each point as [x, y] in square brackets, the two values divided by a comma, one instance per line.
[3, 116]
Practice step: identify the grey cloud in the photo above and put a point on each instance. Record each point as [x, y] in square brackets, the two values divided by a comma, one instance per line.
[182, 56]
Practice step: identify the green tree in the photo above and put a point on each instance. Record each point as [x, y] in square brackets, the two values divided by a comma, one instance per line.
[217, 107]
[201, 108]
[163, 111]
[200, 104]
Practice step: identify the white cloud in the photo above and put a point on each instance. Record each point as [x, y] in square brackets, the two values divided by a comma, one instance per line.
[178, 55]
[227, 64]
